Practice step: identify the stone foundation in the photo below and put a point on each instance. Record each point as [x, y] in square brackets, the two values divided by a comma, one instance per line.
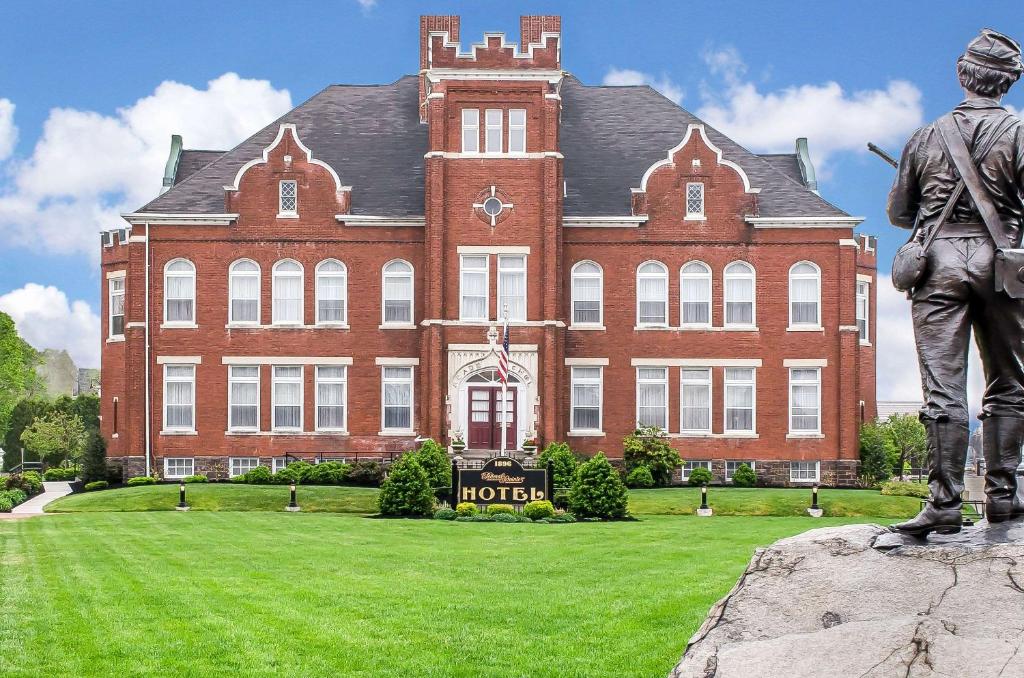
[775, 473]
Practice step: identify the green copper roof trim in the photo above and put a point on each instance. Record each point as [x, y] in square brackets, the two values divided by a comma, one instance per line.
[803, 155]
[171, 168]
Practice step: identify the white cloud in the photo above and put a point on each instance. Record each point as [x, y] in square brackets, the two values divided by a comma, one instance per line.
[833, 120]
[628, 76]
[45, 319]
[8, 132]
[86, 168]
[367, 5]
[1019, 112]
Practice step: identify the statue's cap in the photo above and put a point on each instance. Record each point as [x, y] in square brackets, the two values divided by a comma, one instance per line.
[992, 49]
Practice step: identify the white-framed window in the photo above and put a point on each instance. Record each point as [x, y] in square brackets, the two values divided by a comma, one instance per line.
[115, 291]
[331, 292]
[493, 130]
[278, 464]
[474, 293]
[287, 293]
[179, 467]
[517, 130]
[243, 397]
[689, 466]
[244, 292]
[470, 130]
[652, 294]
[739, 294]
[239, 465]
[805, 400]
[695, 294]
[863, 300]
[804, 471]
[397, 291]
[695, 400]
[586, 398]
[331, 388]
[396, 398]
[805, 295]
[740, 388]
[512, 285]
[652, 397]
[694, 200]
[288, 198]
[587, 294]
[286, 397]
[732, 466]
[179, 292]
[179, 397]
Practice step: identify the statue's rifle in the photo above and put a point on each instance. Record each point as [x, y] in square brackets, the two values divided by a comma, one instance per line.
[882, 154]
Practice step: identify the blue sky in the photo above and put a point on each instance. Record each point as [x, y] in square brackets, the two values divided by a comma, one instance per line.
[761, 70]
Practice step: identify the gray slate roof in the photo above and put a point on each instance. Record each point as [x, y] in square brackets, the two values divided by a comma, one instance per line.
[372, 137]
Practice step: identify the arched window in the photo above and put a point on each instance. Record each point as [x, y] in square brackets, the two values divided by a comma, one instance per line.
[652, 295]
[587, 294]
[287, 293]
[244, 292]
[695, 294]
[331, 292]
[739, 293]
[805, 295]
[397, 288]
[180, 292]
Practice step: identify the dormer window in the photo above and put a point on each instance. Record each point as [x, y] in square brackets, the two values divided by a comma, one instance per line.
[289, 199]
[694, 200]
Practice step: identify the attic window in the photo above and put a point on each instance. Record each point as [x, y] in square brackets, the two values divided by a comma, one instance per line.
[289, 199]
[695, 201]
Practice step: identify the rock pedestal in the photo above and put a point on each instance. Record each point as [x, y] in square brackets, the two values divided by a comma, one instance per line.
[861, 601]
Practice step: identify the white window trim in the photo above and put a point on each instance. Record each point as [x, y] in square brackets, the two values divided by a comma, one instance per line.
[259, 293]
[636, 392]
[259, 393]
[573, 325]
[180, 430]
[866, 340]
[487, 286]
[181, 324]
[281, 212]
[695, 216]
[501, 131]
[344, 404]
[739, 432]
[231, 465]
[174, 476]
[817, 472]
[302, 294]
[526, 286]
[711, 401]
[273, 399]
[599, 431]
[384, 323]
[804, 327]
[475, 126]
[516, 127]
[110, 306]
[384, 431]
[278, 463]
[704, 463]
[641, 325]
[803, 433]
[707, 275]
[343, 323]
[726, 276]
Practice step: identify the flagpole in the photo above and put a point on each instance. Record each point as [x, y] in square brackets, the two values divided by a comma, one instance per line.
[504, 388]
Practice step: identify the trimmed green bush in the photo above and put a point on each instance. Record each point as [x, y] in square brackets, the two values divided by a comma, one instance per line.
[260, 475]
[565, 517]
[13, 497]
[597, 491]
[480, 518]
[445, 514]
[435, 462]
[29, 482]
[536, 510]
[369, 473]
[563, 463]
[61, 473]
[5, 504]
[505, 518]
[97, 485]
[640, 477]
[700, 476]
[296, 472]
[495, 509]
[649, 447]
[94, 462]
[326, 473]
[141, 480]
[467, 508]
[744, 476]
[406, 491]
[197, 478]
[899, 488]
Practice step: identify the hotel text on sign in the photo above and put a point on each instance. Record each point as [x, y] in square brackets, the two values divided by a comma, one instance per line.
[502, 481]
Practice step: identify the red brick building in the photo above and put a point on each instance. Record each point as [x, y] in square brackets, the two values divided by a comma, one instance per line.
[334, 285]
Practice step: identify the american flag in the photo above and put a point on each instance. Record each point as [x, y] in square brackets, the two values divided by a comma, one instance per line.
[503, 358]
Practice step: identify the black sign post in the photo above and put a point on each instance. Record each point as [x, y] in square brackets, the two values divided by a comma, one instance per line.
[501, 481]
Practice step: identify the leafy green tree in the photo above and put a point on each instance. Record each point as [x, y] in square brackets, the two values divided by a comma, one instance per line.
[598, 491]
[86, 406]
[434, 461]
[406, 491]
[18, 378]
[56, 438]
[563, 463]
[649, 447]
[906, 435]
[875, 453]
[94, 463]
[24, 413]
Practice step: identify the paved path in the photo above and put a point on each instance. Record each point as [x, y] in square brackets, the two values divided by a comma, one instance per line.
[34, 506]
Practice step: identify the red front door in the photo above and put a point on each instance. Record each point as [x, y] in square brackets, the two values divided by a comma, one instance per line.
[485, 418]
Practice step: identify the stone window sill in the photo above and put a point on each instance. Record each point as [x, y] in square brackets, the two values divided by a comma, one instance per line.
[117, 339]
[178, 433]
[593, 328]
[396, 326]
[179, 326]
[805, 436]
[397, 433]
[586, 434]
[805, 328]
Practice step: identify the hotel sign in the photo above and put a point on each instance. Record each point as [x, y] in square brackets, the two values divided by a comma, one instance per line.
[502, 481]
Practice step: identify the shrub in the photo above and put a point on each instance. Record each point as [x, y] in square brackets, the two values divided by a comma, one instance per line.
[495, 509]
[563, 463]
[366, 473]
[434, 461]
[94, 462]
[11, 498]
[597, 491]
[564, 517]
[29, 482]
[296, 472]
[505, 518]
[479, 518]
[876, 453]
[700, 476]
[327, 473]
[115, 474]
[141, 480]
[260, 475]
[445, 514]
[640, 476]
[649, 447]
[197, 478]
[5, 503]
[466, 508]
[898, 488]
[406, 491]
[97, 485]
[744, 476]
[539, 509]
[61, 473]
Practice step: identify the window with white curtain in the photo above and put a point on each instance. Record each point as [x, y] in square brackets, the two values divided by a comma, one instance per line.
[287, 293]
[803, 471]
[115, 290]
[397, 290]
[517, 130]
[586, 398]
[652, 397]
[473, 286]
[179, 292]
[739, 294]
[512, 285]
[179, 467]
[330, 397]
[287, 397]
[739, 400]
[244, 397]
[492, 137]
[695, 294]
[239, 465]
[288, 195]
[244, 292]
[179, 397]
[805, 295]
[695, 406]
[331, 292]
[396, 394]
[863, 295]
[470, 130]
[652, 295]
[587, 294]
[805, 400]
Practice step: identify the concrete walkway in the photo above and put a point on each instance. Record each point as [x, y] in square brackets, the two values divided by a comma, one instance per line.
[51, 492]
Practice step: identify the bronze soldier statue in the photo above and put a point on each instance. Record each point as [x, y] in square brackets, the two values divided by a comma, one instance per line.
[960, 186]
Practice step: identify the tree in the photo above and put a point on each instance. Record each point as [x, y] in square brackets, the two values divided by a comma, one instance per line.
[18, 378]
[24, 413]
[875, 453]
[906, 435]
[434, 461]
[649, 447]
[597, 491]
[56, 438]
[86, 406]
[563, 463]
[94, 463]
[406, 491]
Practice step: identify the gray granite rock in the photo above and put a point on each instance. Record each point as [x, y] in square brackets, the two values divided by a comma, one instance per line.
[827, 603]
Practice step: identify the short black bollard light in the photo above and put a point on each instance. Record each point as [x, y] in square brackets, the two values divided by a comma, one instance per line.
[182, 505]
[292, 504]
[814, 510]
[704, 510]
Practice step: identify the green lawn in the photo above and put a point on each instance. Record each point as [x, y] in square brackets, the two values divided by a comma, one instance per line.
[737, 501]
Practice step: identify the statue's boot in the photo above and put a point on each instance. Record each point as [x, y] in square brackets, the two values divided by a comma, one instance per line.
[1002, 438]
[947, 454]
